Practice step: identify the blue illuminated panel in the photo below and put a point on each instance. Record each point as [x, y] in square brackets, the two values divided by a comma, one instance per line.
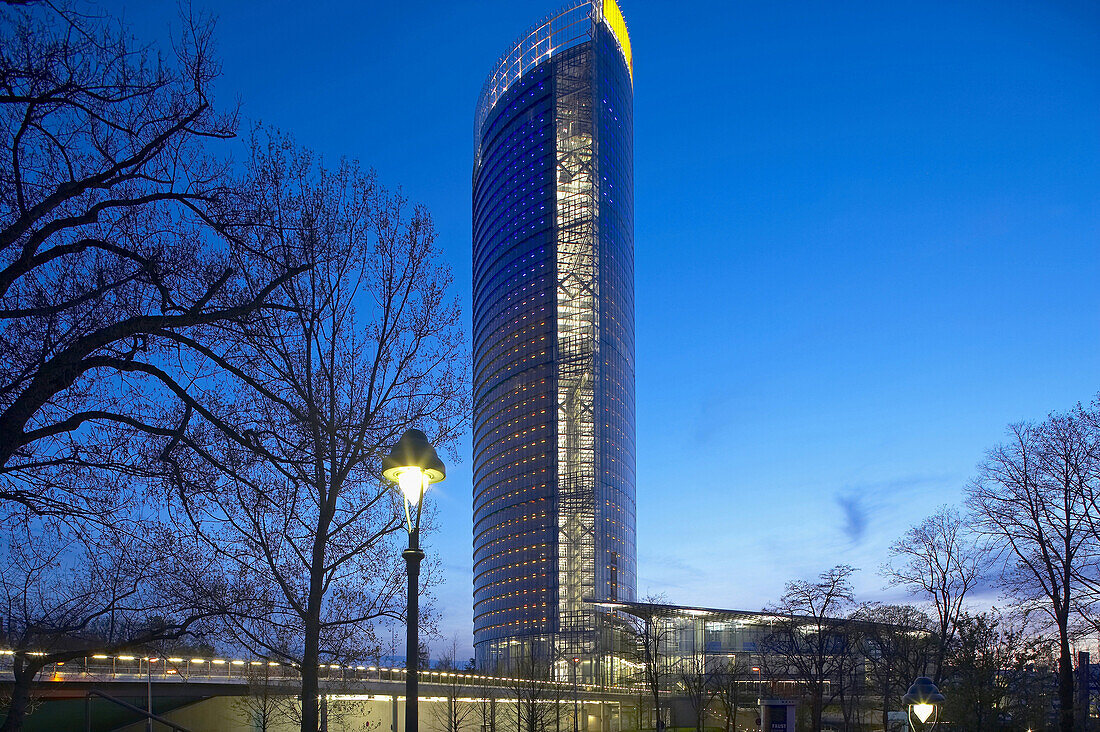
[514, 441]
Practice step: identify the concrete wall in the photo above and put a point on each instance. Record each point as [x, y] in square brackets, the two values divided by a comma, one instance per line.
[235, 714]
[238, 714]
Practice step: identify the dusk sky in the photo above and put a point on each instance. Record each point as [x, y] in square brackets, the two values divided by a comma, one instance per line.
[867, 239]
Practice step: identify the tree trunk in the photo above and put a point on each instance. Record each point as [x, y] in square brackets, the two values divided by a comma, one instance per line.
[20, 694]
[1065, 680]
[310, 659]
[311, 655]
[941, 654]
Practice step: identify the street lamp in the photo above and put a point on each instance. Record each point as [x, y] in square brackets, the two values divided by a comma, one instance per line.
[923, 702]
[413, 466]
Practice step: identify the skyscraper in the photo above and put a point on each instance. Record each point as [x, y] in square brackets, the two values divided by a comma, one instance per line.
[553, 335]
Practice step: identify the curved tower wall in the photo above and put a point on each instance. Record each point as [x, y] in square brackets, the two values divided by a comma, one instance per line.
[553, 335]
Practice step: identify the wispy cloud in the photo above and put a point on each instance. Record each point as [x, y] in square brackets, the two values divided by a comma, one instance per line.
[855, 516]
[665, 572]
[862, 504]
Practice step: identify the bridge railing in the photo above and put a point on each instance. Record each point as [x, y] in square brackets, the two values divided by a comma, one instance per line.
[222, 670]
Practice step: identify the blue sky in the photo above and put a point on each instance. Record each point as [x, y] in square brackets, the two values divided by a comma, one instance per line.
[867, 238]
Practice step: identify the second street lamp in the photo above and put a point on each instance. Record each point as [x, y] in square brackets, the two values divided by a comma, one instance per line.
[923, 702]
[413, 465]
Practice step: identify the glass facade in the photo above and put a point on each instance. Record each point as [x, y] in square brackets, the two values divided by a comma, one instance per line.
[685, 641]
[553, 334]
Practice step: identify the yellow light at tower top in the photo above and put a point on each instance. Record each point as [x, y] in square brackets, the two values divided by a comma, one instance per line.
[615, 22]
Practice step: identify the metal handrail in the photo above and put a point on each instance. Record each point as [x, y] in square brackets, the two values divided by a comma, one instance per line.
[126, 705]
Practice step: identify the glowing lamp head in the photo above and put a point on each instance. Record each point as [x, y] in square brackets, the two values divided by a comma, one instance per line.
[922, 699]
[413, 482]
[413, 465]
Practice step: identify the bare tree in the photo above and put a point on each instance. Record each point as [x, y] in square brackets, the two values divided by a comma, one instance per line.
[652, 634]
[733, 686]
[806, 635]
[487, 708]
[898, 645]
[994, 681]
[1033, 498]
[270, 698]
[1078, 453]
[849, 683]
[69, 592]
[457, 713]
[695, 684]
[939, 560]
[278, 472]
[977, 693]
[117, 225]
[537, 694]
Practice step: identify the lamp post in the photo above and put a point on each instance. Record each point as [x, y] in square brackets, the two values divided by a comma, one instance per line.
[413, 465]
[923, 702]
[148, 692]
